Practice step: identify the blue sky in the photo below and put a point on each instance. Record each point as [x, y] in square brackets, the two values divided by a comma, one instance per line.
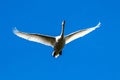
[93, 57]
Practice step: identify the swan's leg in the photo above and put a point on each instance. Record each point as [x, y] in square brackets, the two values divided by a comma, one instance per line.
[60, 53]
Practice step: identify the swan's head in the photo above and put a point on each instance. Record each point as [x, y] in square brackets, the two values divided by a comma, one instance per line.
[63, 23]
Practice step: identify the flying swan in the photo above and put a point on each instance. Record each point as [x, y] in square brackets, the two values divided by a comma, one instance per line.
[56, 42]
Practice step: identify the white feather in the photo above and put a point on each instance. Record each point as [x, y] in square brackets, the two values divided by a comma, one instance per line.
[43, 39]
[79, 33]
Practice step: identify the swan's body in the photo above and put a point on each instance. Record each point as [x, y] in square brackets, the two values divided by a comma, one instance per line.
[56, 42]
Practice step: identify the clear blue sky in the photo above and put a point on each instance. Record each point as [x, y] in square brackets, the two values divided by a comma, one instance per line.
[93, 57]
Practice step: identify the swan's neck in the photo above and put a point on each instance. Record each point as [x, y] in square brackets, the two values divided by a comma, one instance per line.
[62, 31]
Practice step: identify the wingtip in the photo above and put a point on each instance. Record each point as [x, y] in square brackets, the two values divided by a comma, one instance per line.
[15, 30]
[98, 25]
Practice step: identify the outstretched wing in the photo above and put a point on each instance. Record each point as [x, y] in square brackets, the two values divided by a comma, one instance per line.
[43, 39]
[80, 33]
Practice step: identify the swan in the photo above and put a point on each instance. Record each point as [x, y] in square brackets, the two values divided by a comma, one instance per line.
[56, 42]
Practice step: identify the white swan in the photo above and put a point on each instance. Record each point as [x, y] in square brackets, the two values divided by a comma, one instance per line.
[56, 42]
